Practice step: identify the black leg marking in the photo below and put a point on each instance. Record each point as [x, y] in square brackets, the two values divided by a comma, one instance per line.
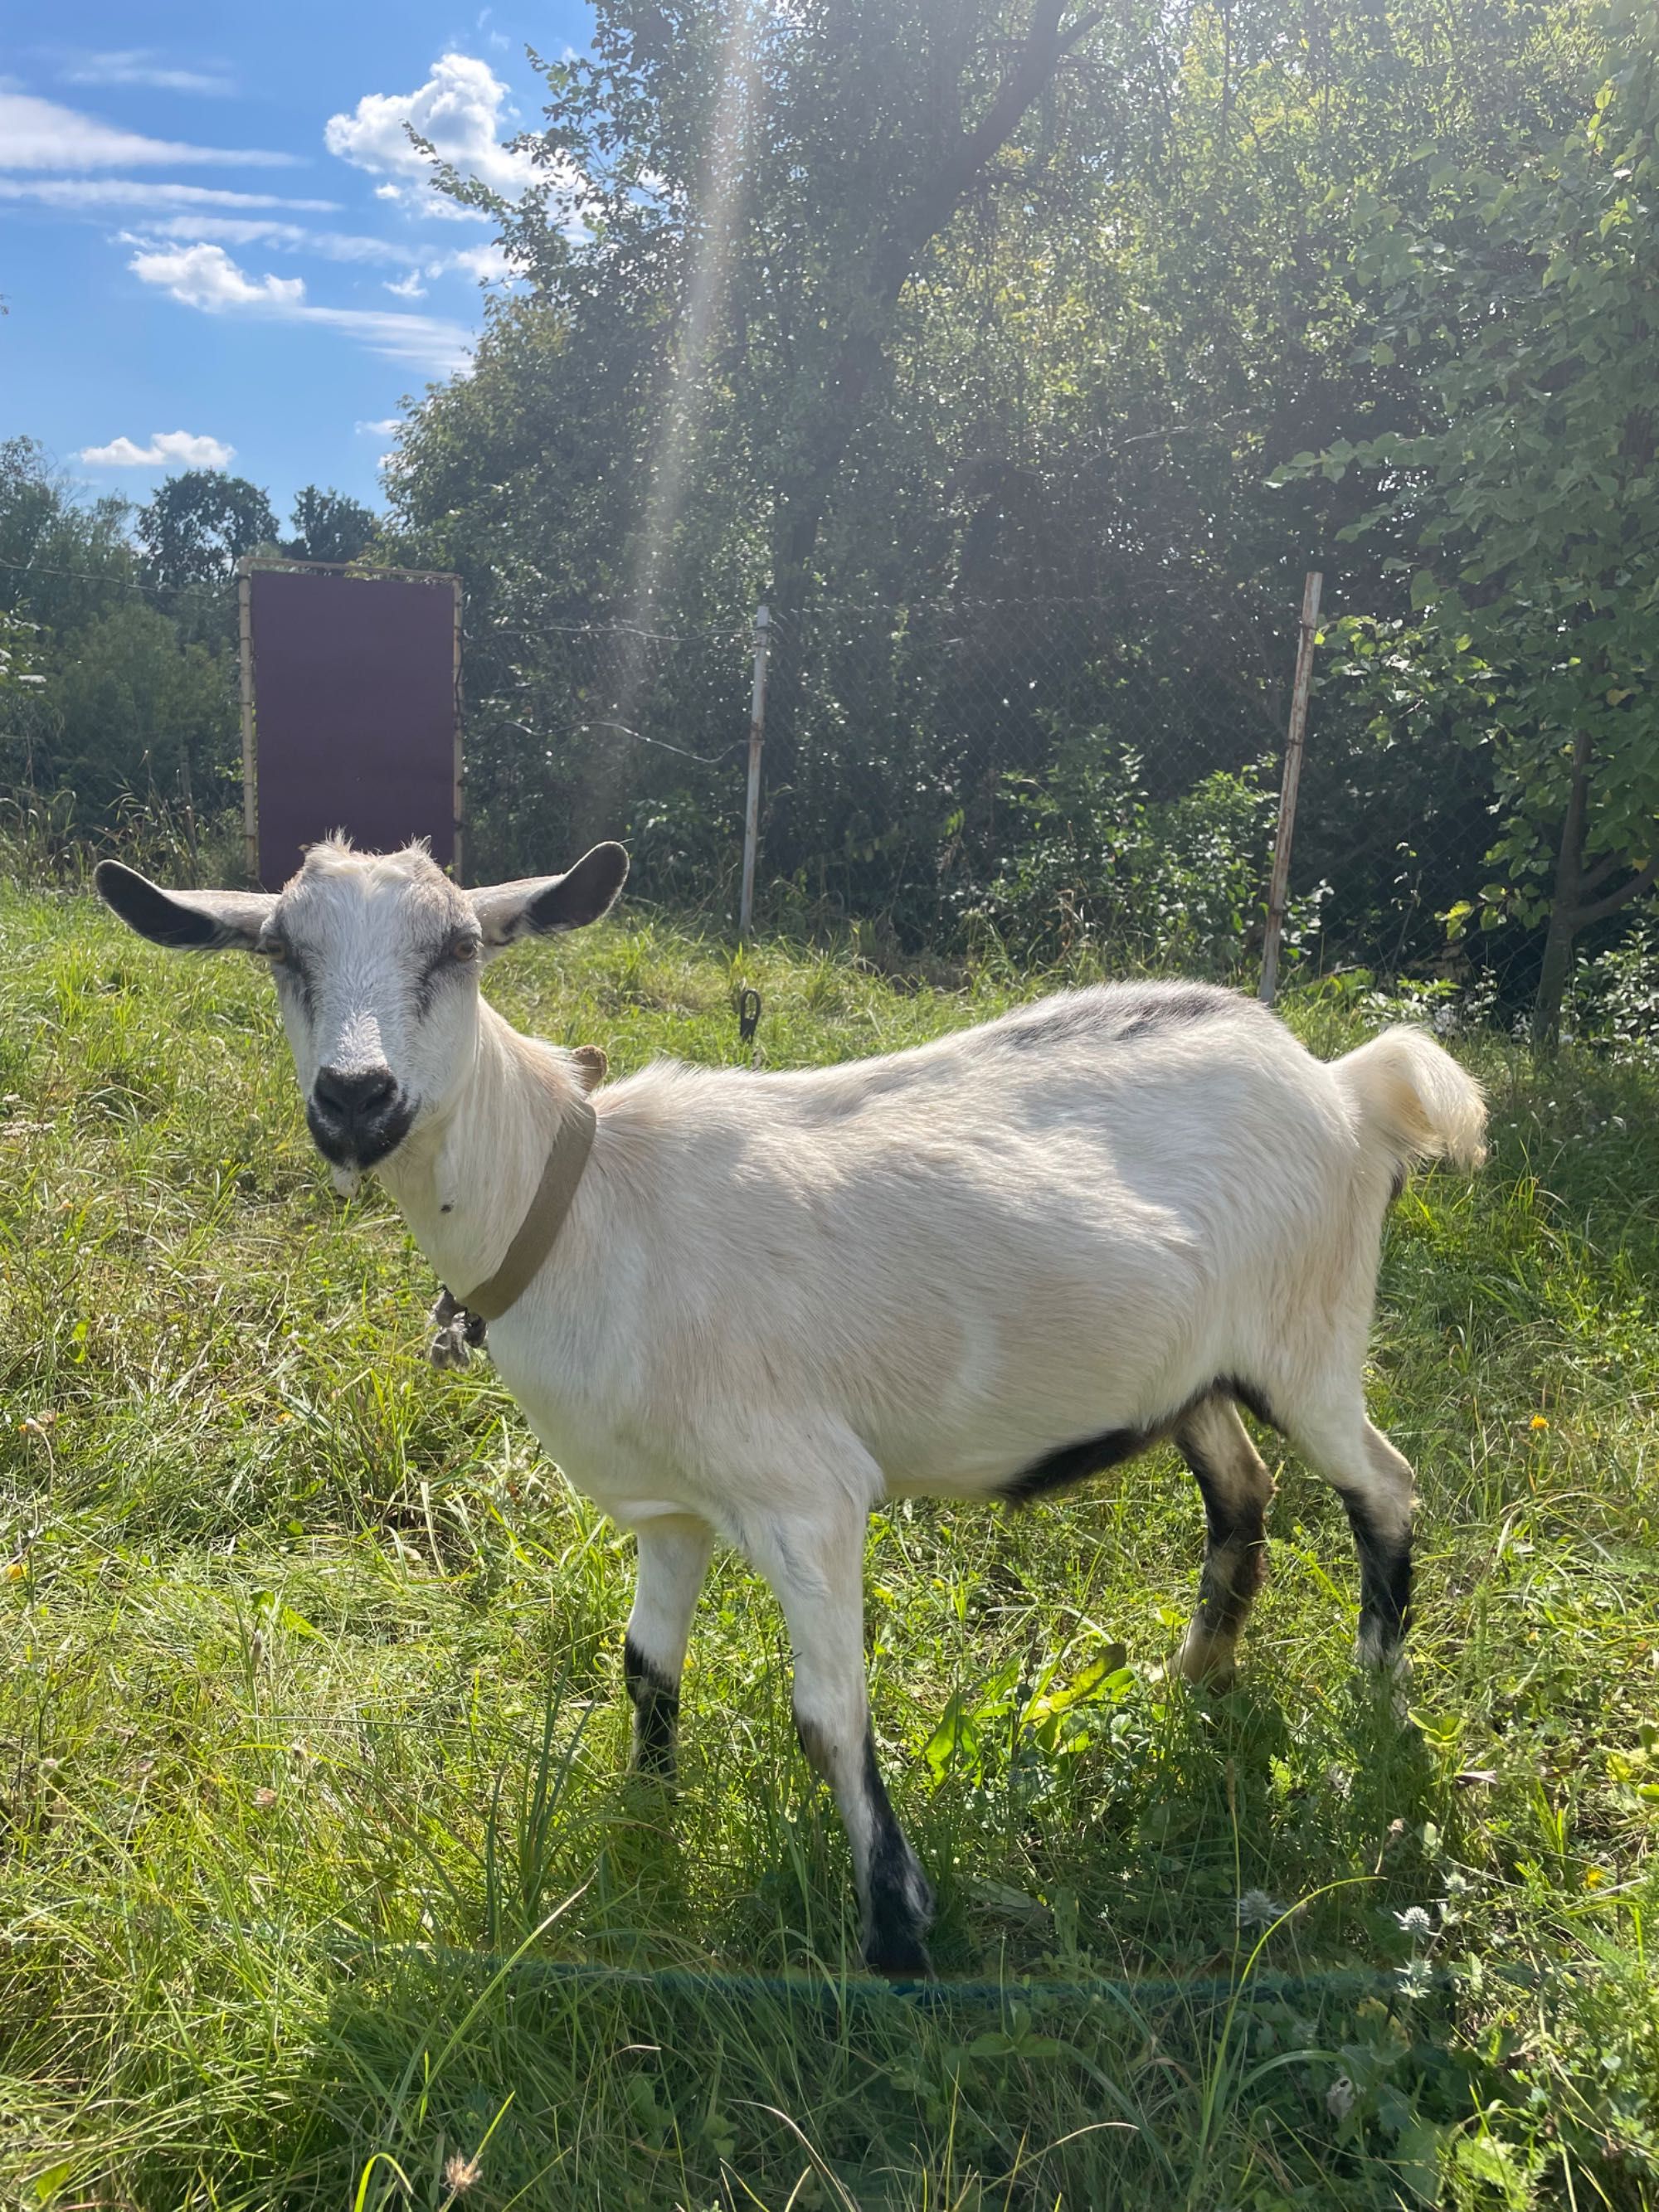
[1237, 1490]
[898, 1898]
[1234, 1551]
[899, 1903]
[815, 1747]
[1385, 1584]
[656, 1702]
[1073, 1463]
[1252, 1399]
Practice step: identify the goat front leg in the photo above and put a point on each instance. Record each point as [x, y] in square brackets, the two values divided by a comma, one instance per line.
[674, 1560]
[816, 1567]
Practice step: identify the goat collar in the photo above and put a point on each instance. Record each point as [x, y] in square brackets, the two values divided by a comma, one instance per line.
[460, 1321]
[539, 1230]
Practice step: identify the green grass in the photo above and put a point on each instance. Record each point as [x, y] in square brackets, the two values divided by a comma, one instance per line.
[311, 1733]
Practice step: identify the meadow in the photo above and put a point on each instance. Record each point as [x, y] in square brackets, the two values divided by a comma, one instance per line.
[321, 1881]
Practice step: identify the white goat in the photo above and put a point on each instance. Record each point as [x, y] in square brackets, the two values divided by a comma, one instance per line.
[986, 1267]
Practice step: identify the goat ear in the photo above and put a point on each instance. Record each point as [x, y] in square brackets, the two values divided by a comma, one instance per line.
[192, 921]
[538, 904]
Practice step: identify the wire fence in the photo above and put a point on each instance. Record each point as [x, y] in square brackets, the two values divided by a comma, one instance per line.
[1032, 775]
[1036, 774]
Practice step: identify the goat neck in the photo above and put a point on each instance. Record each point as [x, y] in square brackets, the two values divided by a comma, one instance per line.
[465, 1175]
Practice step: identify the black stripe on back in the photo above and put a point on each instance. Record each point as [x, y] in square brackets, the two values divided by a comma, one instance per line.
[1252, 1399]
[1071, 1463]
[1074, 1464]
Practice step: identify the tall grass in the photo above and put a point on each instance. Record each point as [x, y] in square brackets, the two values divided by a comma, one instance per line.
[320, 1881]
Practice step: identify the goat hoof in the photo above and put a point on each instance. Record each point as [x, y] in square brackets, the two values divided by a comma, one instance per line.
[899, 1912]
[898, 1954]
[1203, 1662]
[1386, 1677]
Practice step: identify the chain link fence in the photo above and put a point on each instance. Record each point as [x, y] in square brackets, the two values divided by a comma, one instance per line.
[1028, 777]
[1034, 775]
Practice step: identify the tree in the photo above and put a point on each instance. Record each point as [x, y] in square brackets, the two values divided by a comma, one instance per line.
[760, 185]
[112, 703]
[330, 527]
[62, 557]
[1526, 304]
[749, 379]
[199, 525]
[128, 711]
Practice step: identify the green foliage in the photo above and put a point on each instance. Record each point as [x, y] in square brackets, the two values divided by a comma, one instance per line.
[1519, 295]
[794, 361]
[311, 1715]
[330, 527]
[1397, 795]
[16, 661]
[1177, 882]
[199, 525]
[129, 709]
[1617, 1000]
[122, 706]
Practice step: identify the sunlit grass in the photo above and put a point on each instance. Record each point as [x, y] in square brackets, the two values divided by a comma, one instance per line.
[311, 1732]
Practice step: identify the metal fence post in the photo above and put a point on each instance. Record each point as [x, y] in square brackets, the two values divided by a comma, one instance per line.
[756, 739]
[1279, 889]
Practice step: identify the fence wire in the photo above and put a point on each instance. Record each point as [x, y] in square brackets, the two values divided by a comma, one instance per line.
[1037, 775]
[1030, 777]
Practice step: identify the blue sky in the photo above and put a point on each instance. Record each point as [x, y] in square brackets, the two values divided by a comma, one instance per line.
[216, 246]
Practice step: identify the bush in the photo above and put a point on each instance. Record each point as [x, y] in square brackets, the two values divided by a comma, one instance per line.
[1173, 882]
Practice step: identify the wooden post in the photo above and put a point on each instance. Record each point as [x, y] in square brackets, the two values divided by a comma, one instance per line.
[187, 798]
[756, 739]
[1279, 890]
[250, 805]
[456, 868]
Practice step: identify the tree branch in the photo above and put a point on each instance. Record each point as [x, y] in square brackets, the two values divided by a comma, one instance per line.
[1625, 892]
[1598, 872]
[1045, 45]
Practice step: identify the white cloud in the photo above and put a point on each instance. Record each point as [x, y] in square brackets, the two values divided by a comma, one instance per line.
[424, 341]
[166, 446]
[39, 134]
[206, 276]
[285, 237]
[93, 192]
[485, 264]
[462, 108]
[388, 428]
[143, 66]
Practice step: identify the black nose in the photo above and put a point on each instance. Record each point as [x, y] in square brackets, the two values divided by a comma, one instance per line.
[355, 1096]
[358, 1115]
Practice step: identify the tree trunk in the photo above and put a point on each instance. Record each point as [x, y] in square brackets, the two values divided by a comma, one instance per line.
[837, 398]
[1565, 918]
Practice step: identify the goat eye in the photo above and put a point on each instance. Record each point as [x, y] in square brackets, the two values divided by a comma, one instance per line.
[463, 948]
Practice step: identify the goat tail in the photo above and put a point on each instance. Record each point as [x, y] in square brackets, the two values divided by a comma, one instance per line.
[1413, 1102]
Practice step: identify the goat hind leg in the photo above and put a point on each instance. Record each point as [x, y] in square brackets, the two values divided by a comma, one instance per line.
[1375, 1484]
[673, 1558]
[1236, 1489]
